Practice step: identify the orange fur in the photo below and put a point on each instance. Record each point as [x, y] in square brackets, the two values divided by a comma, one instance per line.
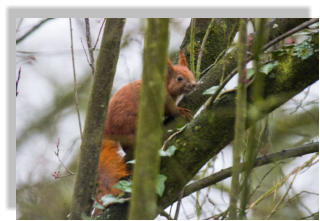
[121, 124]
[111, 168]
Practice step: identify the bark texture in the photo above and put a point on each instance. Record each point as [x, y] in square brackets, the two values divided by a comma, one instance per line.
[85, 181]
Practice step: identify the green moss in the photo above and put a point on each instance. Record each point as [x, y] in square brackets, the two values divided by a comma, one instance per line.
[285, 69]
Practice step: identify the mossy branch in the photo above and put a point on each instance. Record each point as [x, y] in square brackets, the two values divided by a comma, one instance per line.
[95, 119]
[252, 147]
[212, 129]
[227, 63]
[241, 114]
[143, 204]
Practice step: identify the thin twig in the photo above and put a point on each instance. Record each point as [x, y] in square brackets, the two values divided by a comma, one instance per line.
[19, 24]
[213, 97]
[179, 204]
[170, 138]
[211, 65]
[95, 45]
[75, 80]
[313, 215]
[17, 81]
[240, 116]
[165, 214]
[260, 182]
[85, 52]
[90, 50]
[252, 147]
[217, 216]
[278, 185]
[56, 174]
[275, 208]
[33, 29]
[192, 36]
[290, 32]
[266, 159]
[265, 47]
[204, 41]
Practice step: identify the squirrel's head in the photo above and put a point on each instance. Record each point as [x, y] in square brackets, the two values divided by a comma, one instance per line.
[180, 79]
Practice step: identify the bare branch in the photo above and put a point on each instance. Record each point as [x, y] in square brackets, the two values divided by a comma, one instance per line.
[75, 80]
[95, 45]
[33, 29]
[290, 32]
[17, 81]
[88, 37]
[179, 204]
[270, 158]
[205, 38]
[56, 174]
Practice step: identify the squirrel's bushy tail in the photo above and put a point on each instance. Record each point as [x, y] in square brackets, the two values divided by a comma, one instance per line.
[110, 170]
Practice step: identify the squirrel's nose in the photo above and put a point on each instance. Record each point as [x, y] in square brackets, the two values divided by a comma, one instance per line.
[193, 84]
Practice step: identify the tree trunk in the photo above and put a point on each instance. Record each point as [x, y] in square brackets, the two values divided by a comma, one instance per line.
[85, 182]
[143, 203]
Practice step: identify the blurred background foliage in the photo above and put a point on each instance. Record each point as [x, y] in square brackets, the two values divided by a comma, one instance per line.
[45, 113]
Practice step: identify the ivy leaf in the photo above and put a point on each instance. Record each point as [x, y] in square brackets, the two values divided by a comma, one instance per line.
[169, 152]
[161, 179]
[124, 186]
[110, 199]
[250, 73]
[266, 69]
[304, 49]
[210, 90]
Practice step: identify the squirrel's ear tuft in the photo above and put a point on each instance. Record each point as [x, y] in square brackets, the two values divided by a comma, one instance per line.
[182, 59]
[170, 67]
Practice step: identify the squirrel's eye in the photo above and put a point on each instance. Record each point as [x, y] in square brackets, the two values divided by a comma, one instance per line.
[179, 78]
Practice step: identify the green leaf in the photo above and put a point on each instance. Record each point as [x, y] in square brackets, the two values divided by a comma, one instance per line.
[266, 69]
[161, 179]
[303, 50]
[169, 152]
[210, 90]
[250, 73]
[124, 186]
[110, 199]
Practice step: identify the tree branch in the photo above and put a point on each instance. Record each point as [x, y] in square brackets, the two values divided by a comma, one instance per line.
[212, 129]
[17, 81]
[226, 65]
[270, 158]
[90, 49]
[75, 86]
[33, 29]
[149, 129]
[93, 131]
[290, 32]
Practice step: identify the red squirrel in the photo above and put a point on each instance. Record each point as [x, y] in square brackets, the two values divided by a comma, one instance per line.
[121, 124]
